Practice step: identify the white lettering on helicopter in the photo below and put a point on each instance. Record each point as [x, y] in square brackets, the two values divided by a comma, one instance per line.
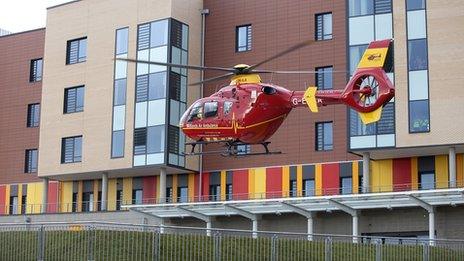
[297, 101]
[205, 125]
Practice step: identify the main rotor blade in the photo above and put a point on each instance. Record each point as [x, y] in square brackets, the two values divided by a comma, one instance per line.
[289, 50]
[185, 66]
[220, 77]
[296, 72]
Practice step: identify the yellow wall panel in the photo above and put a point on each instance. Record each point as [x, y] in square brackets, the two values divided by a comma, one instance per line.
[299, 180]
[414, 174]
[157, 187]
[34, 196]
[126, 191]
[174, 188]
[112, 194]
[251, 183]
[285, 181]
[355, 176]
[459, 170]
[381, 176]
[66, 192]
[7, 199]
[318, 180]
[260, 182]
[223, 185]
[441, 171]
[191, 187]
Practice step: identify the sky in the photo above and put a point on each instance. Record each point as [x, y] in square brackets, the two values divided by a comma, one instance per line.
[22, 15]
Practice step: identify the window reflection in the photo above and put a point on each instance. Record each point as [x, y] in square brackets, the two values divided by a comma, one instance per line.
[417, 54]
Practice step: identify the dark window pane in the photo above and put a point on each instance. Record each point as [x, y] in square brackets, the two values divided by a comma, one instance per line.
[118, 144]
[419, 116]
[141, 88]
[33, 115]
[36, 70]
[357, 128]
[174, 86]
[293, 188]
[173, 139]
[74, 99]
[157, 86]
[383, 6]
[323, 26]
[324, 78]
[386, 124]
[360, 7]
[140, 141]
[417, 50]
[415, 4]
[30, 165]
[71, 149]
[243, 38]
[76, 51]
[120, 92]
[122, 36]
[324, 136]
[210, 109]
[143, 37]
[176, 33]
[155, 139]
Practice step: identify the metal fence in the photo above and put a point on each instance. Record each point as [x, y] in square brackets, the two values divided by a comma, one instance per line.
[112, 241]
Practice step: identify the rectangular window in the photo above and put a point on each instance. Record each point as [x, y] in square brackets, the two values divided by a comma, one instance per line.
[71, 149]
[361, 7]
[122, 36]
[229, 192]
[243, 38]
[76, 51]
[346, 185]
[23, 204]
[118, 199]
[419, 118]
[417, 50]
[137, 196]
[74, 99]
[309, 187]
[117, 149]
[324, 78]
[169, 194]
[33, 115]
[215, 192]
[243, 149]
[323, 26]
[87, 201]
[427, 180]
[415, 5]
[293, 188]
[14, 205]
[74, 202]
[182, 195]
[35, 74]
[324, 136]
[30, 163]
[140, 141]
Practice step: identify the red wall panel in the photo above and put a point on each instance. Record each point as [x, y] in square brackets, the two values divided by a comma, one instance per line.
[2, 199]
[401, 174]
[330, 179]
[52, 206]
[149, 190]
[205, 186]
[240, 184]
[274, 182]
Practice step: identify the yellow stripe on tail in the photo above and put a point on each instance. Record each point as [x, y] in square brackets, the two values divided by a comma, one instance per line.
[371, 117]
[310, 98]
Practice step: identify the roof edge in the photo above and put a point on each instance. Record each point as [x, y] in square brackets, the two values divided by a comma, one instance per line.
[55, 6]
[23, 32]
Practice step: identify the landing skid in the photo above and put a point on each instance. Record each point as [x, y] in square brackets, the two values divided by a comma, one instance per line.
[231, 149]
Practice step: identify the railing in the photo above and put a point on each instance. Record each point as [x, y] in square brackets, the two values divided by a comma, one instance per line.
[113, 205]
[113, 241]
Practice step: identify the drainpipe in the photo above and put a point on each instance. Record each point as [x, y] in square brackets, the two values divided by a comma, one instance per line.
[204, 13]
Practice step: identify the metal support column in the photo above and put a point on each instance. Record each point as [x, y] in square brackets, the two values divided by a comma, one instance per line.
[247, 214]
[162, 186]
[44, 195]
[452, 167]
[354, 215]
[366, 172]
[301, 211]
[104, 199]
[431, 210]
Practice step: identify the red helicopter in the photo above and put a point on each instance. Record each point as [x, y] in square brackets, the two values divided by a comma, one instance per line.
[248, 111]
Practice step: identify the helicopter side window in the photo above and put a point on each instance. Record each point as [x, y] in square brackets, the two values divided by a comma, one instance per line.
[227, 107]
[211, 109]
[196, 112]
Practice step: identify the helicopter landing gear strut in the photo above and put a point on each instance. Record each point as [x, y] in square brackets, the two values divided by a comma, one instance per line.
[233, 149]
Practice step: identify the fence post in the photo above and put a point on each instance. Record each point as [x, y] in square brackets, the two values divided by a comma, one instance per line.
[425, 252]
[90, 244]
[378, 250]
[328, 249]
[156, 244]
[274, 248]
[217, 246]
[41, 244]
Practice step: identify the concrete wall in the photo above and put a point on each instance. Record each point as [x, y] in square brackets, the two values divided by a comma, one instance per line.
[409, 220]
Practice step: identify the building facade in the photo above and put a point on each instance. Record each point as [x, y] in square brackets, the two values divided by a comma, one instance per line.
[109, 134]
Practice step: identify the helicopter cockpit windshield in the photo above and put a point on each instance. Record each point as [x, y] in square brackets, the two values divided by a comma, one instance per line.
[196, 112]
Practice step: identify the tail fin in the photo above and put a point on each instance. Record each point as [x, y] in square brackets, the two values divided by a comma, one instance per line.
[310, 98]
[377, 55]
